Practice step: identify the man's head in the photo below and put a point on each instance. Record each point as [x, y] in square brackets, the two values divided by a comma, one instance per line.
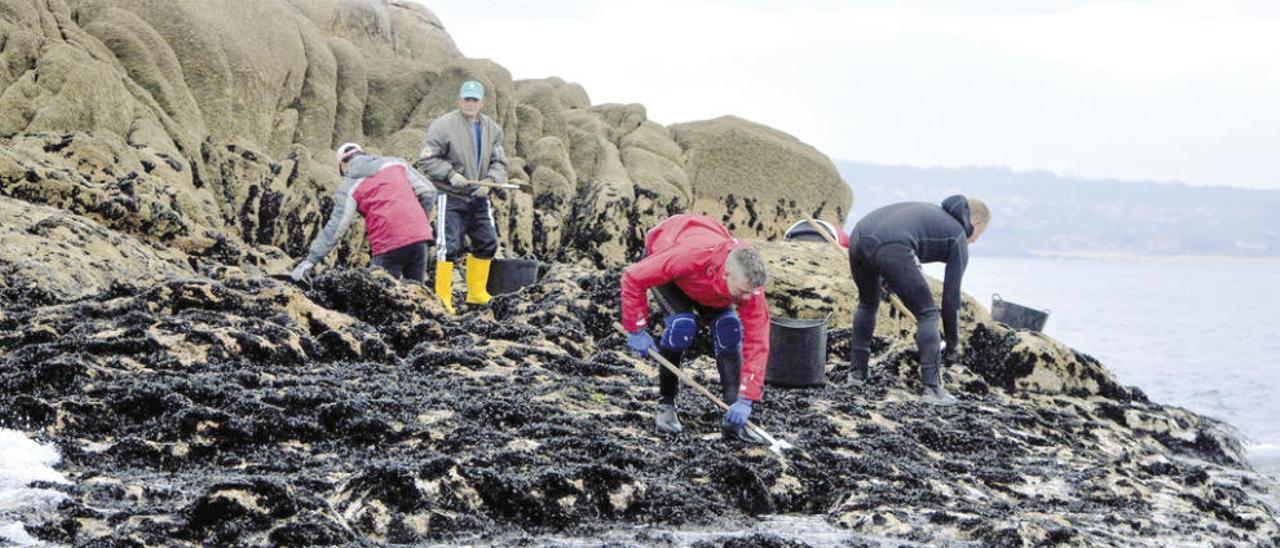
[346, 152]
[979, 217]
[744, 272]
[471, 98]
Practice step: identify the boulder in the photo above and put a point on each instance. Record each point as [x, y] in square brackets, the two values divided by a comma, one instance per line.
[382, 29]
[758, 180]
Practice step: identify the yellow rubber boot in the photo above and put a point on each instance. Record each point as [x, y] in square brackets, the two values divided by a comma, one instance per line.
[478, 280]
[444, 284]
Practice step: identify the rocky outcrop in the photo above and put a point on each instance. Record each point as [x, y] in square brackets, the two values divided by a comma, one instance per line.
[233, 109]
[50, 252]
[758, 180]
[810, 280]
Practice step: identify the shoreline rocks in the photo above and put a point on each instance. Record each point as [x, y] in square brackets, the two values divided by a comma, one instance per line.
[206, 410]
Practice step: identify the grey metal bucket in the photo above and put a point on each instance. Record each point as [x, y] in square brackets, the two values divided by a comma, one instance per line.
[797, 352]
[1016, 315]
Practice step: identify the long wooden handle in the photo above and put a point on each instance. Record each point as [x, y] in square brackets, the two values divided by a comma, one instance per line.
[825, 235]
[494, 185]
[697, 386]
[678, 372]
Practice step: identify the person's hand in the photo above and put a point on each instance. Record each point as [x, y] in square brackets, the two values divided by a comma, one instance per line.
[738, 413]
[301, 270]
[949, 355]
[457, 180]
[640, 342]
[480, 192]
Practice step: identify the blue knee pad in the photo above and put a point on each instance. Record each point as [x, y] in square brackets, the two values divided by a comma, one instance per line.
[677, 335]
[727, 328]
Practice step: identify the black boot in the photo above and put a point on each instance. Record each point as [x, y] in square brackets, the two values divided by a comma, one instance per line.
[858, 370]
[933, 392]
[664, 417]
[744, 434]
[857, 377]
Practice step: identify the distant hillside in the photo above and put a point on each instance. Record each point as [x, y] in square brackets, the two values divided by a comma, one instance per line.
[1040, 212]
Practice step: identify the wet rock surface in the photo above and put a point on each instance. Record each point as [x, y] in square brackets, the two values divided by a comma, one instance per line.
[235, 409]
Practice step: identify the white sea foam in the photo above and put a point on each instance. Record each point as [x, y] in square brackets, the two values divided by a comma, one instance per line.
[22, 462]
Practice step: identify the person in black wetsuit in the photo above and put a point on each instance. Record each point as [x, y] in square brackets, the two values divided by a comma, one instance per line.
[890, 243]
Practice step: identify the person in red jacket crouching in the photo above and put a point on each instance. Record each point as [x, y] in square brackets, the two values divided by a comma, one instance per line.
[702, 277]
[396, 203]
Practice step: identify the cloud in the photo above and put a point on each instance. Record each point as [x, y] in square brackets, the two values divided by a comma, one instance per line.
[1146, 89]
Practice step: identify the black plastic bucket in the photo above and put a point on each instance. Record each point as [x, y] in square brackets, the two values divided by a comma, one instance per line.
[508, 275]
[1016, 315]
[797, 352]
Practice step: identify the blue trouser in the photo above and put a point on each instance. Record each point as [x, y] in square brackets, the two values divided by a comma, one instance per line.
[471, 218]
[895, 263]
[408, 262]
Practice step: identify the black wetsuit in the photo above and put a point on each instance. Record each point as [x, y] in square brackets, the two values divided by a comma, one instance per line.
[890, 243]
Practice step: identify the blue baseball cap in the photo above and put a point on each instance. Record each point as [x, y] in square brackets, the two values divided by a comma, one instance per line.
[471, 89]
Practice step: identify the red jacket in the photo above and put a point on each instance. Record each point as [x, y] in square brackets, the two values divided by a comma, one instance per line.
[393, 216]
[393, 198]
[690, 250]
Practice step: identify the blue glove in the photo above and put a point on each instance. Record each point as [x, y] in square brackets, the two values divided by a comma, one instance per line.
[640, 342]
[738, 413]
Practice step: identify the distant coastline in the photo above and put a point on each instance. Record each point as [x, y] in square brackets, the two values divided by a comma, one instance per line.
[1138, 257]
[1037, 213]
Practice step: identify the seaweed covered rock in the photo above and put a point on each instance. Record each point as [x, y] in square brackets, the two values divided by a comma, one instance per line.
[201, 410]
[69, 256]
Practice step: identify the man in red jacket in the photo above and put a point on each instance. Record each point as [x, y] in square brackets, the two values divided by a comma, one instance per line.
[702, 277]
[396, 203]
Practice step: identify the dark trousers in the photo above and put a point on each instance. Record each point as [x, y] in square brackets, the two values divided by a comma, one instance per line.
[672, 300]
[408, 262]
[473, 219]
[895, 263]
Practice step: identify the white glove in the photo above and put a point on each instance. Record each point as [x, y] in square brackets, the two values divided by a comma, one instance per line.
[480, 192]
[457, 180]
[301, 271]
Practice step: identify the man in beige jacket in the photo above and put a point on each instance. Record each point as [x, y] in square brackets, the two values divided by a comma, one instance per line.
[462, 147]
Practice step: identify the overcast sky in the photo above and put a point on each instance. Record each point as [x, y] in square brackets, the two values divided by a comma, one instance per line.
[1152, 90]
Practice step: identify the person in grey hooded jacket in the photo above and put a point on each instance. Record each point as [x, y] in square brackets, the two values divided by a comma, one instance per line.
[461, 148]
[395, 202]
[890, 243]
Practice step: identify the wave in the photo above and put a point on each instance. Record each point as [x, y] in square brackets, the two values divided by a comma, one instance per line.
[22, 462]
